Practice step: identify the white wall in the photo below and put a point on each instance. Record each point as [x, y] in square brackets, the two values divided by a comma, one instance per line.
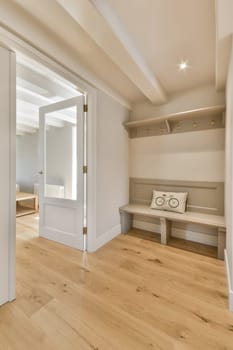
[224, 10]
[112, 167]
[224, 29]
[7, 175]
[229, 180]
[27, 161]
[192, 156]
[204, 96]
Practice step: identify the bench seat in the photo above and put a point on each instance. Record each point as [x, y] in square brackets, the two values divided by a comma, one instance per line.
[127, 212]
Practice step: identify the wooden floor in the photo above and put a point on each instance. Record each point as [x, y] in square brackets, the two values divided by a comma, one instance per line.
[133, 294]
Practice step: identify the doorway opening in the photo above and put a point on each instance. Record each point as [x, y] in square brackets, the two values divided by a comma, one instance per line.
[50, 155]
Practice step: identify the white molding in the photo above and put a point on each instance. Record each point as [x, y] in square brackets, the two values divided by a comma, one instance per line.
[229, 282]
[91, 174]
[61, 237]
[106, 237]
[12, 207]
[178, 233]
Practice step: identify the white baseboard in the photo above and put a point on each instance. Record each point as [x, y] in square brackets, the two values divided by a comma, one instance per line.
[179, 233]
[4, 301]
[229, 281]
[61, 237]
[107, 237]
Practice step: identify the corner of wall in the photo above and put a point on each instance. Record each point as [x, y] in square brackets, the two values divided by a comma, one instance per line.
[105, 238]
[229, 281]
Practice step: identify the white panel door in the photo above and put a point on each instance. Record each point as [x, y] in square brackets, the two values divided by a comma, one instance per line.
[61, 192]
[7, 175]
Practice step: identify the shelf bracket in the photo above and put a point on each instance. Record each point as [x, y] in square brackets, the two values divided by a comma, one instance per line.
[168, 126]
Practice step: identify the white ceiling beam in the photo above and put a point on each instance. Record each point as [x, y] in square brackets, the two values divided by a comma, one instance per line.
[102, 25]
[28, 122]
[51, 121]
[29, 78]
[29, 109]
[26, 107]
[32, 97]
[44, 71]
[32, 101]
[19, 133]
[24, 128]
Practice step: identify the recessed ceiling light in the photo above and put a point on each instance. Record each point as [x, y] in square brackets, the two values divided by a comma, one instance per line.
[183, 65]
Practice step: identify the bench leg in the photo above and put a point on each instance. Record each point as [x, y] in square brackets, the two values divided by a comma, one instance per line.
[221, 242]
[126, 222]
[165, 230]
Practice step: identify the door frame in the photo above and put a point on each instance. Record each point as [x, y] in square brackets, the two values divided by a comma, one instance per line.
[20, 46]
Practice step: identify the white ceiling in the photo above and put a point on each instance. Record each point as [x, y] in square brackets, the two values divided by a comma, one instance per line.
[37, 86]
[51, 16]
[167, 31]
[135, 46]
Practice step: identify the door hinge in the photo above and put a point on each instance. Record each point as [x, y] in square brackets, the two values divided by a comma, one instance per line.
[85, 108]
[85, 169]
[85, 230]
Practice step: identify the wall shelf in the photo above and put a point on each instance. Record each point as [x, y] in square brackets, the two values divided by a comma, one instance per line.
[196, 119]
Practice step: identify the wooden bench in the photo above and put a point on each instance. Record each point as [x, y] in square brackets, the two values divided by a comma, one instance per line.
[25, 210]
[166, 218]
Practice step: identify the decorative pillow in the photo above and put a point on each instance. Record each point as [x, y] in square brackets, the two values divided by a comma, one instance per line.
[171, 201]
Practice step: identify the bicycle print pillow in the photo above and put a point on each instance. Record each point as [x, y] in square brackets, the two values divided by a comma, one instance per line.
[170, 201]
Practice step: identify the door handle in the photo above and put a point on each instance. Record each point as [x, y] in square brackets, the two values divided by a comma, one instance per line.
[40, 172]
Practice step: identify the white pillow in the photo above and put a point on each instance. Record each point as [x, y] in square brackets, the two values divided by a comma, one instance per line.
[171, 201]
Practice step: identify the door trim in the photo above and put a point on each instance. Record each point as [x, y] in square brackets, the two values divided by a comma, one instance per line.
[16, 44]
[12, 223]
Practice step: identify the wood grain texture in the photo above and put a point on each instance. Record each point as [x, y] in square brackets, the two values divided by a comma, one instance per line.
[131, 294]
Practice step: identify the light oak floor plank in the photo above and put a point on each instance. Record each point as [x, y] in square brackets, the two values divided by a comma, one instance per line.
[131, 294]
